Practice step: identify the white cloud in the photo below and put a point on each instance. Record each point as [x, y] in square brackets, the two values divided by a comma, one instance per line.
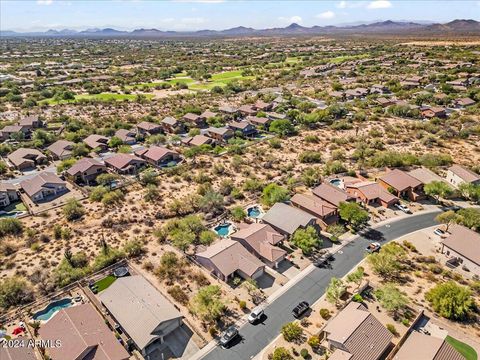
[326, 15]
[379, 4]
[342, 5]
[351, 4]
[293, 19]
[44, 2]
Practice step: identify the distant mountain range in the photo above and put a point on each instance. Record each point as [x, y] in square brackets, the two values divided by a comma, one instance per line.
[455, 27]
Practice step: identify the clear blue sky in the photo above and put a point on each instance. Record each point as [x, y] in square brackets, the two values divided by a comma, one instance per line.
[36, 15]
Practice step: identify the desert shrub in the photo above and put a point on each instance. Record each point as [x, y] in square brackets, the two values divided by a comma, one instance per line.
[314, 341]
[10, 226]
[392, 329]
[292, 332]
[325, 314]
[357, 298]
[304, 353]
[178, 294]
[242, 304]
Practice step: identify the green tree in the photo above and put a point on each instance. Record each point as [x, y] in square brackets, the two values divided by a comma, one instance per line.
[469, 217]
[387, 262]
[207, 303]
[115, 142]
[470, 192]
[10, 226]
[356, 276]
[335, 290]
[451, 300]
[273, 193]
[391, 298]
[354, 214]
[306, 239]
[15, 291]
[280, 353]
[73, 210]
[448, 218]
[238, 213]
[282, 127]
[437, 190]
[292, 332]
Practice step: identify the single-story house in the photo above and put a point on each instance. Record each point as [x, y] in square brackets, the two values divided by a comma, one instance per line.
[146, 128]
[425, 175]
[325, 212]
[221, 134]
[24, 158]
[8, 194]
[384, 102]
[332, 194]
[227, 109]
[61, 149]
[95, 141]
[371, 193]
[31, 122]
[83, 335]
[247, 110]
[426, 347]
[287, 219]
[8, 131]
[125, 163]
[171, 125]
[158, 155]
[259, 121]
[194, 120]
[127, 136]
[19, 352]
[44, 186]
[260, 240]
[261, 105]
[457, 174]
[227, 257]
[142, 312]
[431, 112]
[85, 171]
[357, 335]
[402, 185]
[243, 127]
[207, 114]
[464, 245]
[198, 140]
[464, 102]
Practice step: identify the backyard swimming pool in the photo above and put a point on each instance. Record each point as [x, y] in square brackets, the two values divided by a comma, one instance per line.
[336, 182]
[223, 230]
[254, 212]
[52, 308]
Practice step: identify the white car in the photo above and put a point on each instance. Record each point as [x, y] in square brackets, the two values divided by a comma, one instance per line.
[255, 315]
[439, 232]
[403, 208]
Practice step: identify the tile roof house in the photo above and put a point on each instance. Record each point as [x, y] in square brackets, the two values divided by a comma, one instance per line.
[61, 149]
[43, 187]
[125, 163]
[86, 170]
[262, 106]
[221, 134]
[146, 128]
[194, 120]
[207, 114]
[227, 257]
[247, 110]
[425, 175]
[171, 125]
[96, 141]
[464, 102]
[332, 194]
[463, 245]
[426, 347]
[8, 194]
[259, 121]
[431, 112]
[244, 127]
[8, 131]
[287, 219]
[457, 174]
[25, 158]
[127, 136]
[325, 212]
[18, 352]
[158, 155]
[260, 240]
[227, 109]
[142, 312]
[198, 140]
[357, 334]
[83, 334]
[402, 185]
[371, 193]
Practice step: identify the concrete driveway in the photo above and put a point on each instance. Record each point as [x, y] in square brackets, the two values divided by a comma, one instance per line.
[180, 342]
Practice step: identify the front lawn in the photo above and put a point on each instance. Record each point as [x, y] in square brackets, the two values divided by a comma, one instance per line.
[462, 348]
[105, 282]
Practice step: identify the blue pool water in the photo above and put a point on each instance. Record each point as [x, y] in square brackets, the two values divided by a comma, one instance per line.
[51, 309]
[253, 212]
[336, 182]
[223, 229]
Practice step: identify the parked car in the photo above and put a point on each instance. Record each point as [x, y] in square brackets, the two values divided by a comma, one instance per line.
[373, 247]
[255, 315]
[227, 337]
[300, 309]
[439, 232]
[403, 208]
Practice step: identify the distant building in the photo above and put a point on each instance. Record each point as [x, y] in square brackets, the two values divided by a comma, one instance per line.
[457, 175]
[24, 158]
[8, 194]
[85, 171]
[463, 248]
[287, 219]
[44, 187]
[61, 149]
[426, 347]
[402, 185]
[126, 164]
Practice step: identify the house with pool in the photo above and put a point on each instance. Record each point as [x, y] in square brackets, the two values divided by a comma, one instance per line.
[287, 219]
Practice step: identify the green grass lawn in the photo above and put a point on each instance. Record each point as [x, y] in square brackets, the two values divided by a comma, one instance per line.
[105, 282]
[293, 60]
[17, 206]
[462, 348]
[340, 59]
[96, 97]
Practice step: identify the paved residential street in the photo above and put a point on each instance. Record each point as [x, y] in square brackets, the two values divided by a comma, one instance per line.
[311, 288]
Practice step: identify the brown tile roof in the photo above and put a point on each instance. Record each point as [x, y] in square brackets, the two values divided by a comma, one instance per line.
[372, 190]
[239, 124]
[82, 331]
[198, 140]
[23, 155]
[400, 180]
[38, 182]
[207, 114]
[121, 161]
[425, 347]
[147, 126]
[287, 218]
[170, 121]
[155, 153]
[464, 173]
[191, 117]
[257, 120]
[94, 141]
[361, 334]
[229, 255]
[425, 175]
[125, 135]
[314, 205]
[262, 238]
[18, 352]
[331, 194]
[83, 165]
[61, 148]
[465, 242]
